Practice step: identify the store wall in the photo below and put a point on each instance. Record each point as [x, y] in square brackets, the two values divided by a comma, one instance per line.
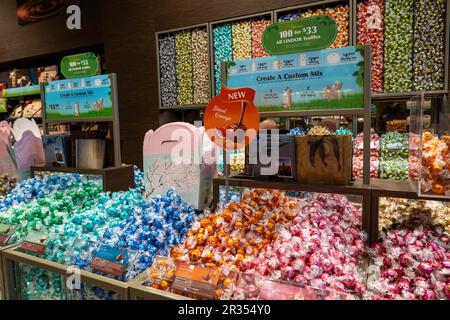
[47, 36]
[131, 53]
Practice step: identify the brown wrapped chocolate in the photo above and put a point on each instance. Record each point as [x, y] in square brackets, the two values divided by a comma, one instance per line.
[324, 159]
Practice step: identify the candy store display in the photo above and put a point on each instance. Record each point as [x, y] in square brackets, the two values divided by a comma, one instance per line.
[435, 164]
[237, 40]
[409, 265]
[370, 31]
[184, 67]
[358, 155]
[428, 48]
[398, 45]
[412, 213]
[394, 156]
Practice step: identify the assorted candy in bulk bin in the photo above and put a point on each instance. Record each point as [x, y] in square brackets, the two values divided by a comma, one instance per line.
[394, 156]
[370, 28]
[343, 131]
[167, 70]
[184, 67]
[340, 13]
[200, 66]
[223, 50]
[30, 189]
[428, 48]
[6, 185]
[398, 45]
[55, 209]
[435, 167]
[410, 264]
[38, 284]
[414, 213]
[237, 232]
[322, 247]
[237, 40]
[183, 45]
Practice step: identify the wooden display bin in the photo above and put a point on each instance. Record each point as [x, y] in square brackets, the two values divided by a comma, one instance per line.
[10, 257]
[139, 291]
[114, 178]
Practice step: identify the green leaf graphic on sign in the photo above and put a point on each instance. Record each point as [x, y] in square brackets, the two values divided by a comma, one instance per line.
[312, 33]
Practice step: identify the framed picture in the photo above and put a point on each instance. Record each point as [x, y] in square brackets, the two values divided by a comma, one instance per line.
[35, 10]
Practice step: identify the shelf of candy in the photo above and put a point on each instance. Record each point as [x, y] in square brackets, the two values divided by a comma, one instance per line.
[234, 194]
[339, 12]
[435, 165]
[394, 156]
[296, 132]
[411, 213]
[397, 125]
[370, 31]
[410, 264]
[323, 247]
[184, 67]
[413, 157]
[358, 155]
[343, 131]
[192, 280]
[237, 40]
[6, 185]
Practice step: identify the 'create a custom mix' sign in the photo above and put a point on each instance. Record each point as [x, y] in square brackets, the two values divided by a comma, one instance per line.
[231, 118]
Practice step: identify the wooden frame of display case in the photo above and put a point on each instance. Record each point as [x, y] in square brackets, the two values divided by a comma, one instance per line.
[351, 34]
[114, 178]
[139, 291]
[406, 95]
[212, 25]
[10, 257]
[394, 189]
[157, 35]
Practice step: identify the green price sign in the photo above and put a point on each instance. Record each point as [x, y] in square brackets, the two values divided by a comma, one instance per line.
[2, 105]
[79, 65]
[313, 33]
